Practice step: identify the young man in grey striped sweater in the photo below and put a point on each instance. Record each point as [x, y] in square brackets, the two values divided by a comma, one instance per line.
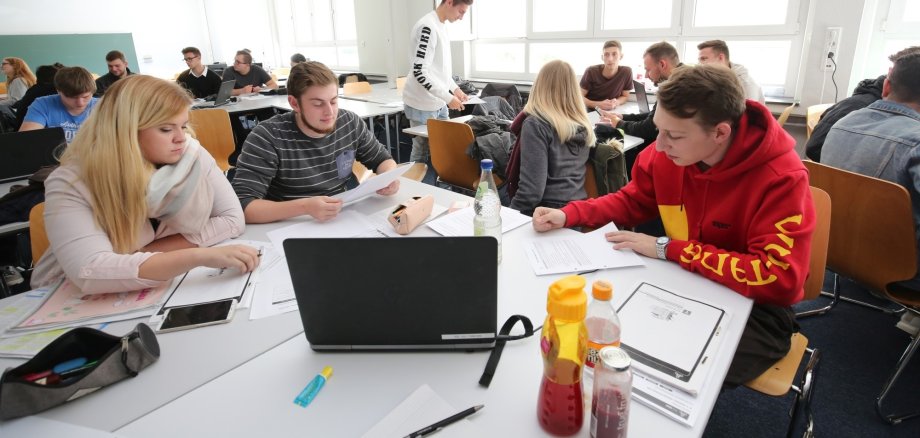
[292, 163]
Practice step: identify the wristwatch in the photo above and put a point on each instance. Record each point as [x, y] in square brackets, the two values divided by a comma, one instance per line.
[661, 247]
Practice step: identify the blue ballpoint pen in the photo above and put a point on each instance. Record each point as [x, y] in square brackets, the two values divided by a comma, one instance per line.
[309, 392]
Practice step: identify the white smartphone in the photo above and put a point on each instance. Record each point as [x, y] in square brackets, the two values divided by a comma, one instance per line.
[197, 315]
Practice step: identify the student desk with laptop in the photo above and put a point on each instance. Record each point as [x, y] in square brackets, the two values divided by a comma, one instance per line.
[241, 378]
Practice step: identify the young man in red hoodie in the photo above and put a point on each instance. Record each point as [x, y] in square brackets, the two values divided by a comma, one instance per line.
[734, 199]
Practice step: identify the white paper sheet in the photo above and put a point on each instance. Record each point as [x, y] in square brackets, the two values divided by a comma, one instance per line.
[274, 294]
[694, 334]
[474, 100]
[460, 222]
[578, 252]
[347, 224]
[369, 187]
[665, 399]
[422, 408]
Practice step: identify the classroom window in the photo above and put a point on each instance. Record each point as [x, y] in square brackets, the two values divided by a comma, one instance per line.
[325, 29]
[500, 57]
[628, 14]
[767, 37]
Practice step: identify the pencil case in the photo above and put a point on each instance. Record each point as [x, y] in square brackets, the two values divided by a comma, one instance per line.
[75, 364]
[410, 214]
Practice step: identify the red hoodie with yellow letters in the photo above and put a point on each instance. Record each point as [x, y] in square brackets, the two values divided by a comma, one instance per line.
[746, 222]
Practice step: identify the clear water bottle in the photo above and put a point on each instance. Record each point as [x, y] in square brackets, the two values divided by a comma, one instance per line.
[612, 388]
[487, 207]
[563, 345]
[602, 322]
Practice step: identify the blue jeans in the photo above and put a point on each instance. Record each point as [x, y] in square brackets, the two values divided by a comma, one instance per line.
[420, 152]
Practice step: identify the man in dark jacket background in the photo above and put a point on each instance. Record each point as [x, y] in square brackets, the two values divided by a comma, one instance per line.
[867, 92]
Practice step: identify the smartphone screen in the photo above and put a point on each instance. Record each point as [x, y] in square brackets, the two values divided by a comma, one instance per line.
[178, 318]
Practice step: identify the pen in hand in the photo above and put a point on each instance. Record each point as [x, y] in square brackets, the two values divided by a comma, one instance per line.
[445, 422]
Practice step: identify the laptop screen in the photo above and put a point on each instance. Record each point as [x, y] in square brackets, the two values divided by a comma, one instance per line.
[25, 152]
[395, 293]
[641, 96]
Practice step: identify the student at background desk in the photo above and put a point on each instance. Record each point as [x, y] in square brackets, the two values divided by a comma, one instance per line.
[606, 86]
[292, 163]
[249, 78]
[733, 195]
[136, 200]
[198, 79]
[69, 108]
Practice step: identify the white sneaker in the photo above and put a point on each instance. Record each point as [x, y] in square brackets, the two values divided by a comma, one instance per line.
[910, 323]
[11, 275]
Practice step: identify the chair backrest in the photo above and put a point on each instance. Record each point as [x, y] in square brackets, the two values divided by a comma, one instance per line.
[2, 87]
[818, 259]
[872, 228]
[37, 233]
[813, 115]
[361, 172]
[213, 131]
[448, 142]
[785, 115]
[357, 88]
[400, 83]
[590, 180]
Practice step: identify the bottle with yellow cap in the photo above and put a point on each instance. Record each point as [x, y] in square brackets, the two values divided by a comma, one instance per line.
[563, 343]
[602, 322]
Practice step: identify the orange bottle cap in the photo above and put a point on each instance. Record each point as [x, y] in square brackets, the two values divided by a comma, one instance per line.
[602, 290]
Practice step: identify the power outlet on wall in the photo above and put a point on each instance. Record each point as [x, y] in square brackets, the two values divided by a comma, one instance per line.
[831, 47]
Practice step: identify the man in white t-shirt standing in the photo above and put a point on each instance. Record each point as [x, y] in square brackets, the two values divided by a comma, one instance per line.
[430, 89]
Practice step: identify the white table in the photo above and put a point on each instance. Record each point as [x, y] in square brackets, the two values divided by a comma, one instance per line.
[380, 93]
[629, 141]
[240, 379]
[365, 387]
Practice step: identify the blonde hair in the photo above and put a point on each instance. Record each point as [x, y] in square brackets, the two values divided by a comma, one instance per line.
[556, 97]
[20, 70]
[109, 155]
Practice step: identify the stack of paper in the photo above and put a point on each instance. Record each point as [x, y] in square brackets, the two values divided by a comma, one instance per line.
[577, 252]
[460, 222]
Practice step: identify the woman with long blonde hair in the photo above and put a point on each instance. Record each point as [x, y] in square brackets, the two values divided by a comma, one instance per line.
[555, 136]
[137, 200]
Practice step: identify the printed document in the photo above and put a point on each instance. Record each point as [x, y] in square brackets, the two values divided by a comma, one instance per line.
[422, 408]
[460, 222]
[578, 252]
[678, 335]
[348, 223]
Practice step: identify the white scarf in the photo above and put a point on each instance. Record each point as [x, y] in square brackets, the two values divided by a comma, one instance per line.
[179, 195]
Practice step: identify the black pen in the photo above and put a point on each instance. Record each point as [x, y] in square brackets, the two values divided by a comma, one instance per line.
[445, 422]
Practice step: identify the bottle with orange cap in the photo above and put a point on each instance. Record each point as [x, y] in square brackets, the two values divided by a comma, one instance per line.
[563, 343]
[602, 322]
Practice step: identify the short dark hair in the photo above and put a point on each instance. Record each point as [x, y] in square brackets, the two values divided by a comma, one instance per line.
[907, 51]
[247, 57]
[113, 55]
[904, 78]
[44, 74]
[711, 94]
[191, 50]
[298, 58]
[74, 81]
[613, 43]
[662, 50]
[463, 2]
[717, 46]
[306, 75]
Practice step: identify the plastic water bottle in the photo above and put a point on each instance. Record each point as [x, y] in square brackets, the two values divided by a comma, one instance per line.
[563, 345]
[487, 207]
[602, 322]
[612, 389]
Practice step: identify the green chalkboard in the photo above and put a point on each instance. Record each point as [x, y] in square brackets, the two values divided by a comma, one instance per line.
[85, 49]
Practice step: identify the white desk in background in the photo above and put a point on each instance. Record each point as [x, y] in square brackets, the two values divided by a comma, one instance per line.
[629, 141]
[380, 93]
[365, 386]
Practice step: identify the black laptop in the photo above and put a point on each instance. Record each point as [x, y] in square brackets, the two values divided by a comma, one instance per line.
[641, 96]
[223, 96]
[414, 293]
[25, 152]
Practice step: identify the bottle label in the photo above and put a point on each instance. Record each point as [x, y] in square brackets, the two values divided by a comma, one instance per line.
[594, 349]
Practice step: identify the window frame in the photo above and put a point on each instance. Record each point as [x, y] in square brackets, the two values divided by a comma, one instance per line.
[335, 43]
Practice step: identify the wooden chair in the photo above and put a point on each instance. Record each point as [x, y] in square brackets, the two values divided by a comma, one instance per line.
[784, 116]
[400, 83]
[778, 380]
[448, 141]
[37, 233]
[813, 115]
[361, 172]
[2, 87]
[872, 242]
[417, 172]
[356, 88]
[212, 129]
[872, 231]
[590, 180]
